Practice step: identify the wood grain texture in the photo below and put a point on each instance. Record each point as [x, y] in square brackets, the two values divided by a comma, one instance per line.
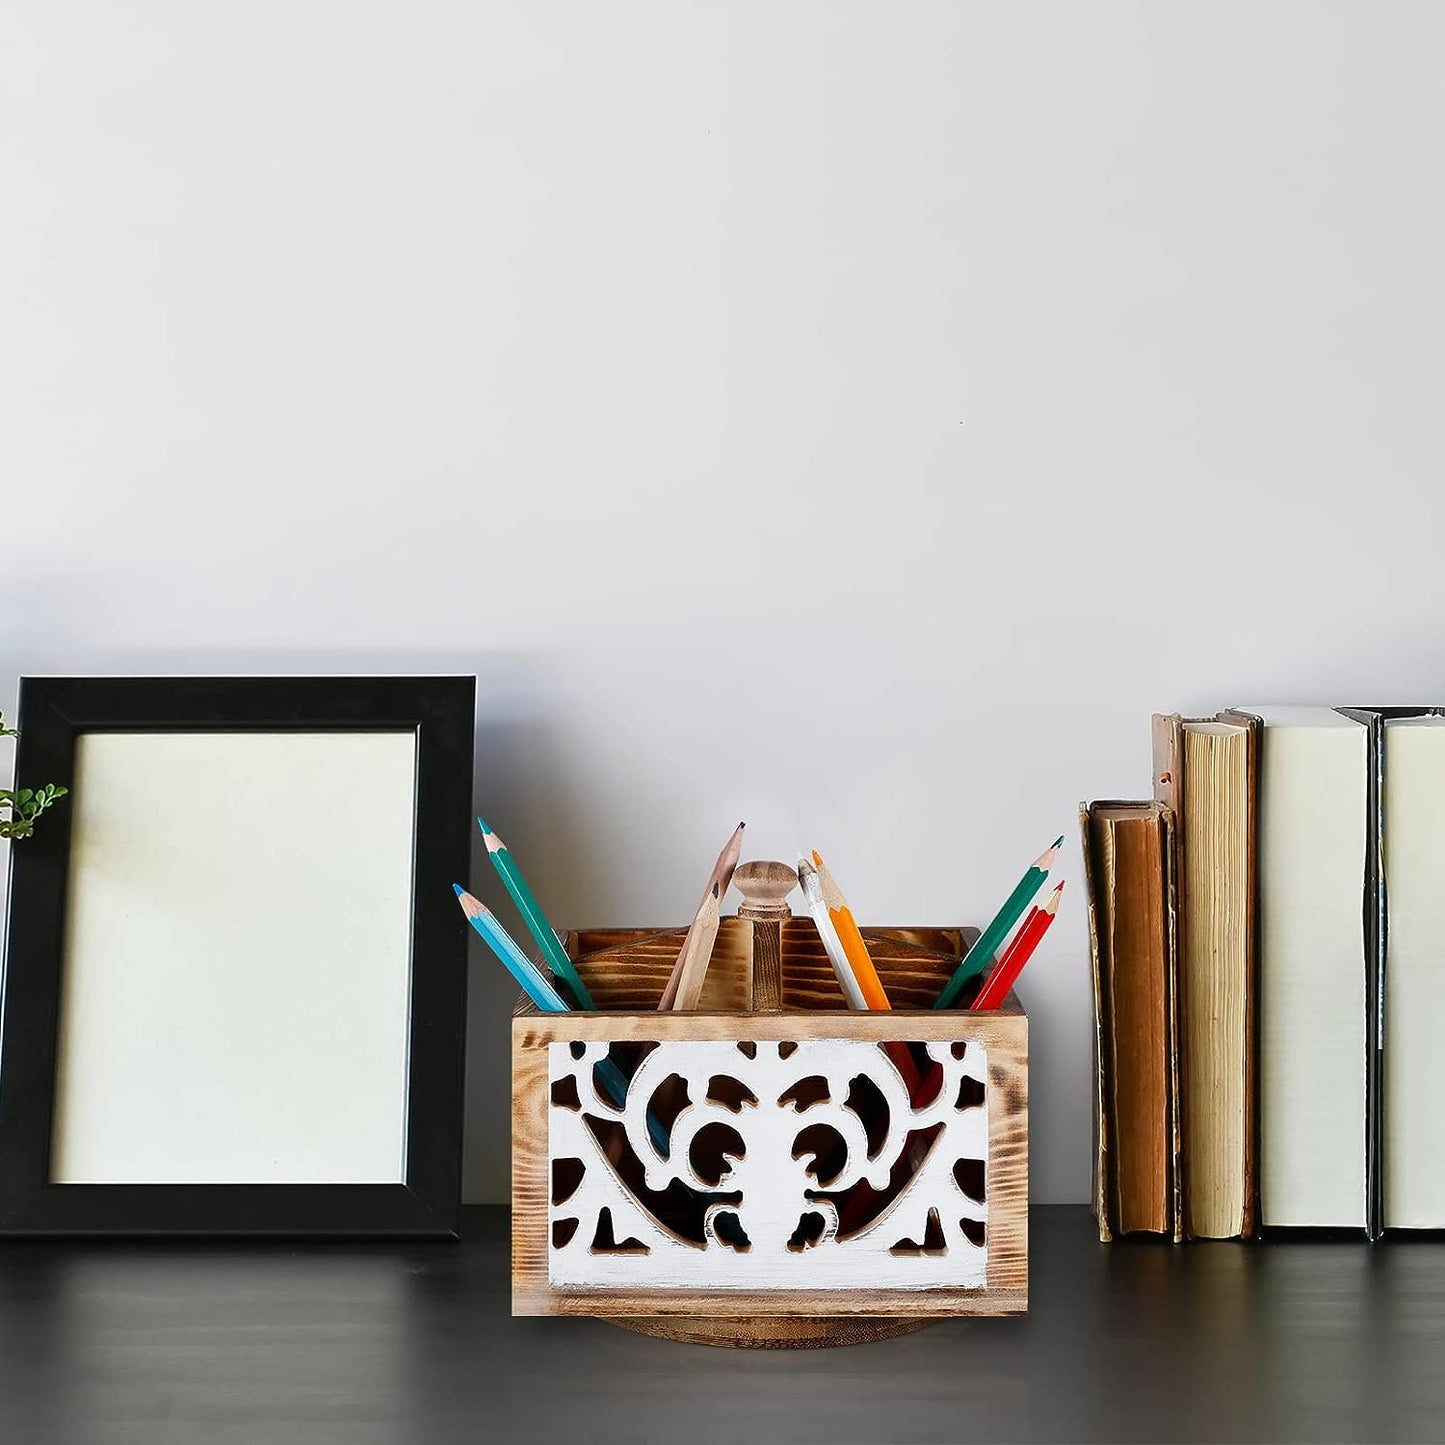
[911, 968]
[765, 887]
[770, 1332]
[766, 964]
[625, 970]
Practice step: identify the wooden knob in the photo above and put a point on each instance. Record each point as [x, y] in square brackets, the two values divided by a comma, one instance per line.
[765, 888]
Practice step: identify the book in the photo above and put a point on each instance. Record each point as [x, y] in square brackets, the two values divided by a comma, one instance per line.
[1103, 1144]
[1206, 769]
[1129, 867]
[1413, 1034]
[1401, 925]
[1314, 966]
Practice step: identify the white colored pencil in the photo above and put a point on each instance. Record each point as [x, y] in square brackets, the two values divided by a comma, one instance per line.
[837, 954]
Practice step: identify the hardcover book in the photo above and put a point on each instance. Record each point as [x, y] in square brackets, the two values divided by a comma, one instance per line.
[1315, 962]
[1129, 864]
[1206, 769]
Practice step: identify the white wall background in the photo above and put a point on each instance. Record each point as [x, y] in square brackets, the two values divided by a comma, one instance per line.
[853, 417]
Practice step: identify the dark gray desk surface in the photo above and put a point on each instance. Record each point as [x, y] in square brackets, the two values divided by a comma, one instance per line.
[157, 1343]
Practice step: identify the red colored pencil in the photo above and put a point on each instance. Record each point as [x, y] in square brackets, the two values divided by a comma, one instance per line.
[1008, 968]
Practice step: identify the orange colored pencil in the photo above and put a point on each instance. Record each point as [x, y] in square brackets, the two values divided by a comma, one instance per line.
[852, 940]
[1018, 953]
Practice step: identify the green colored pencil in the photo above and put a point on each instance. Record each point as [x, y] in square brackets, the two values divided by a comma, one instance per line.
[981, 954]
[533, 916]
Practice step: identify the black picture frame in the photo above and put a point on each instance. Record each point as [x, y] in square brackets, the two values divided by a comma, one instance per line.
[53, 714]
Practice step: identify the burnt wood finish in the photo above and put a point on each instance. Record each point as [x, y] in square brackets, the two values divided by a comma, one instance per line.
[765, 887]
[913, 973]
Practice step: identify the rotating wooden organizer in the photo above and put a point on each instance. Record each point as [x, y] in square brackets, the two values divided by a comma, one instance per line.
[770, 1169]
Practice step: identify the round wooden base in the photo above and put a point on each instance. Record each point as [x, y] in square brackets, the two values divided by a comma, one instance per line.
[776, 1332]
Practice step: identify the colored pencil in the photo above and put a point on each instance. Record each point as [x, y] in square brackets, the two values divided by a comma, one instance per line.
[849, 936]
[532, 915]
[534, 984]
[533, 981]
[1018, 953]
[697, 952]
[898, 1053]
[719, 880]
[838, 956]
[981, 954]
[832, 944]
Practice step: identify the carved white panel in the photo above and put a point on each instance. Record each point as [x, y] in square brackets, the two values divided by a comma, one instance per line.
[707, 1169]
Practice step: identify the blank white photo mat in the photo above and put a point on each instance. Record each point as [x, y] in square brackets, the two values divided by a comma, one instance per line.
[237, 959]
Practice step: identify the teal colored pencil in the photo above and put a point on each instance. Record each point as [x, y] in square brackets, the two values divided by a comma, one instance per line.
[533, 916]
[981, 954]
[534, 984]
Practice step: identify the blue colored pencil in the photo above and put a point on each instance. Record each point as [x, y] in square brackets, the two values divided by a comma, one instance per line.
[534, 984]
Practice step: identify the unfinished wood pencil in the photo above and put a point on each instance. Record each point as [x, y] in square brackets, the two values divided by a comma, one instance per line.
[697, 952]
[720, 879]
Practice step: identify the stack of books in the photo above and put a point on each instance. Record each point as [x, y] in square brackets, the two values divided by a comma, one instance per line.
[1268, 940]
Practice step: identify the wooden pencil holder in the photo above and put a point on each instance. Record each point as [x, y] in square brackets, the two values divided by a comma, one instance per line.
[795, 1178]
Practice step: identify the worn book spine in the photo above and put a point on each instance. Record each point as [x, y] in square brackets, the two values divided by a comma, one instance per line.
[1253, 728]
[1167, 824]
[1131, 934]
[1103, 1189]
[1171, 788]
[1377, 949]
[1139, 1037]
[1167, 738]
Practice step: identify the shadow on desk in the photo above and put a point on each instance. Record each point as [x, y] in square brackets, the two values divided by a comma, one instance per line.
[213, 1344]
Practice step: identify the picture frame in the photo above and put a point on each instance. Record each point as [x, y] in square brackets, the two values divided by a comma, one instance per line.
[234, 998]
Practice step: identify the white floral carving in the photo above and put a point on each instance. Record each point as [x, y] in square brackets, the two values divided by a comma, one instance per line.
[772, 1184]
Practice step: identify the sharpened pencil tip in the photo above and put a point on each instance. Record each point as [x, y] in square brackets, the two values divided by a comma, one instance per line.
[817, 858]
[714, 890]
[459, 890]
[742, 825]
[482, 824]
[1059, 841]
